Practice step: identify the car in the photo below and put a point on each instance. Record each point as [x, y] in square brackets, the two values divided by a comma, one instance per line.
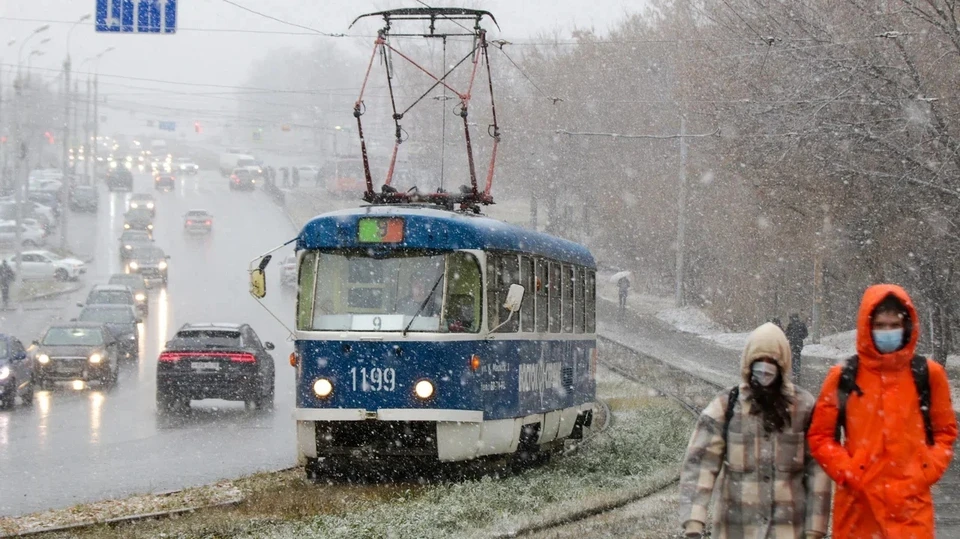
[84, 198]
[120, 178]
[149, 261]
[143, 200]
[197, 221]
[138, 285]
[215, 361]
[16, 372]
[48, 199]
[308, 173]
[71, 351]
[164, 181]
[138, 219]
[133, 238]
[187, 165]
[122, 321]
[288, 271]
[28, 209]
[29, 236]
[243, 178]
[39, 265]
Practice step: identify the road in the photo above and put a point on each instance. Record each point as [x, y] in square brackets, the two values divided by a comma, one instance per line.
[73, 446]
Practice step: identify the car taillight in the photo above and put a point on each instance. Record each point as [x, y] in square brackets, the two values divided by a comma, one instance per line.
[208, 222]
[170, 357]
[243, 358]
[189, 222]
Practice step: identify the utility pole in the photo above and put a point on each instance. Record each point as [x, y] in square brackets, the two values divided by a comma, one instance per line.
[682, 212]
[86, 137]
[65, 163]
[20, 174]
[96, 129]
[76, 121]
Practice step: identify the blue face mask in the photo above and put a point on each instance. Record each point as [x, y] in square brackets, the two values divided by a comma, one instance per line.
[888, 340]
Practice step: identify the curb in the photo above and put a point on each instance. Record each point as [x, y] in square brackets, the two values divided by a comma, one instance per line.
[125, 519]
[49, 295]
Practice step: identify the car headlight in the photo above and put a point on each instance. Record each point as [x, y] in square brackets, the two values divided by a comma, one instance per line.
[134, 205]
[149, 205]
[423, 389]
[150, 227]
[134, 265]
[183, 167]
[140, 297]
[43, 359]
[126, 225]
[162, 265]
[128, 247]
[323, 387]
[95, 358]
[4, 372]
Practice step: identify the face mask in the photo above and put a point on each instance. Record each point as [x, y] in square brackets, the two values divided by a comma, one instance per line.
[888, 340]
[764, 373]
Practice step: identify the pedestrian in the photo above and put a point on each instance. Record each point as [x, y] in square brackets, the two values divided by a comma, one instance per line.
[796, 332]
[770, 486]
[296, 177]
[894, 411]
[286, 176]
[623, 285]
[6, 278]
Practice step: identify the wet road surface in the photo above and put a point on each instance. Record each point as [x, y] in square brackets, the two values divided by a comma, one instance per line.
[73, 445]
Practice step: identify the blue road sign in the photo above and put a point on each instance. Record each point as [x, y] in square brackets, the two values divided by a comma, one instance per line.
[137, 16]
[167, 126]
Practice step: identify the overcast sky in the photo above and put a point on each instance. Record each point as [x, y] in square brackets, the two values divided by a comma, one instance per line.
[216, 41]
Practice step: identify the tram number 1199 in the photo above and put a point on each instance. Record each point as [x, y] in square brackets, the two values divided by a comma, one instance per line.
[374, 379]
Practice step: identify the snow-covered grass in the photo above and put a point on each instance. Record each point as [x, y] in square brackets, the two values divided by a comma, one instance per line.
[640, 452]
[691, 320]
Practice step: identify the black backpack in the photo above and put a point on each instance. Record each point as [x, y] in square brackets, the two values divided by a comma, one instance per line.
[848, 384]
[728, 413]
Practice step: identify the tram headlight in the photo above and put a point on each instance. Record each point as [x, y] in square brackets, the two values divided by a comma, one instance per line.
[43, 359]
[323, 387]
[423, 389]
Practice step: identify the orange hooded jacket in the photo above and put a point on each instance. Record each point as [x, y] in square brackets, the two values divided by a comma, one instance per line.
[884, 469]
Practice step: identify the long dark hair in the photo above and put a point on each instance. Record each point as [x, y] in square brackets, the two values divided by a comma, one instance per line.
[771, 404]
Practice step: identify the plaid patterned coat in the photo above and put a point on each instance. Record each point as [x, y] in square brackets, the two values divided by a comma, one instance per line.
[770, 486]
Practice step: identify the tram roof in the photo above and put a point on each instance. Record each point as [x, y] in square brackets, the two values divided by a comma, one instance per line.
[427, 228]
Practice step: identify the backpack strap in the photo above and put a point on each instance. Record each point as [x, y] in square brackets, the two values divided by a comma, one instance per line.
[921, 378]
[732, 398]
[846, 385]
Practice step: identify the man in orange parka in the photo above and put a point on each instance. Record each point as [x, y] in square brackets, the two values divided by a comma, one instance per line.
[885, 467]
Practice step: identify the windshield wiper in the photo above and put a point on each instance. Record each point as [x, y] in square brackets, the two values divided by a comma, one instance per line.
[424, 304]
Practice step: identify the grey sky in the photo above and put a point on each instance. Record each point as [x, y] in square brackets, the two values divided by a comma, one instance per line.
[198, 54]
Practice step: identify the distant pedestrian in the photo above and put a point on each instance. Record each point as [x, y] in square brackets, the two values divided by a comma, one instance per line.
[296, 177]
[796, 332]
[748, 448]
[884, 426]
[623, 286]
[6, 279]
[285, 173]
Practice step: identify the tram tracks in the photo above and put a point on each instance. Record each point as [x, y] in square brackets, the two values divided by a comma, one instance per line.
[690, 391]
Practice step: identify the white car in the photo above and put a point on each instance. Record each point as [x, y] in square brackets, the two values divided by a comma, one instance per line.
[40, 265]
[288, 271]
[187, 166]
[30, 236]
[308, 173]
[45, 185]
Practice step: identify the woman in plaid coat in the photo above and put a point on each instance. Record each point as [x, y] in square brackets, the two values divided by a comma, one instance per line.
[771, 487]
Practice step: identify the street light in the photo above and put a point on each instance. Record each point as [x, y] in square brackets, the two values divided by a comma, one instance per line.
[96, 117]
[65, 159]
[39, 30]
[70, 32]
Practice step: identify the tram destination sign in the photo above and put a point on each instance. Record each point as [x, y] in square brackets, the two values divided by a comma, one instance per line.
[375, 230]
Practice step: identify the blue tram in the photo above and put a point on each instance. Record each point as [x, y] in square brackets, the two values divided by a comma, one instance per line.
[407, 344]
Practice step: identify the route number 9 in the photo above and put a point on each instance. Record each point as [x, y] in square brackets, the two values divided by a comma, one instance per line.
[374, 379]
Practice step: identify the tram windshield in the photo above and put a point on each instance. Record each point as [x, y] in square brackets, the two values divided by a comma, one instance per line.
[408, 290]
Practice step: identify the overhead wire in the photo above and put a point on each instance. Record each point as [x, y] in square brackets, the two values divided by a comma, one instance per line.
[281, 21]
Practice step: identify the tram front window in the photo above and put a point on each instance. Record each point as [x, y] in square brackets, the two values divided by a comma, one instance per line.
[351, 291]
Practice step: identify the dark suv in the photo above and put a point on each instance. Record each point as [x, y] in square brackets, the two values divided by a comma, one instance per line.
[215, 361]
[120, 178]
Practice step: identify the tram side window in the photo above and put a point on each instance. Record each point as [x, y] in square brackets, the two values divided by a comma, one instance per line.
[567, 302]
[502, 271]
[542, 285]
[578, 303]
[554, 297]
[462, 308]
[527, 306]
[591, 301]
[307, 282]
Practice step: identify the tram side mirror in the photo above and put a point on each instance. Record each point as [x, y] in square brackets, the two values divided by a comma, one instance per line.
[258, 283]
[514, 298]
